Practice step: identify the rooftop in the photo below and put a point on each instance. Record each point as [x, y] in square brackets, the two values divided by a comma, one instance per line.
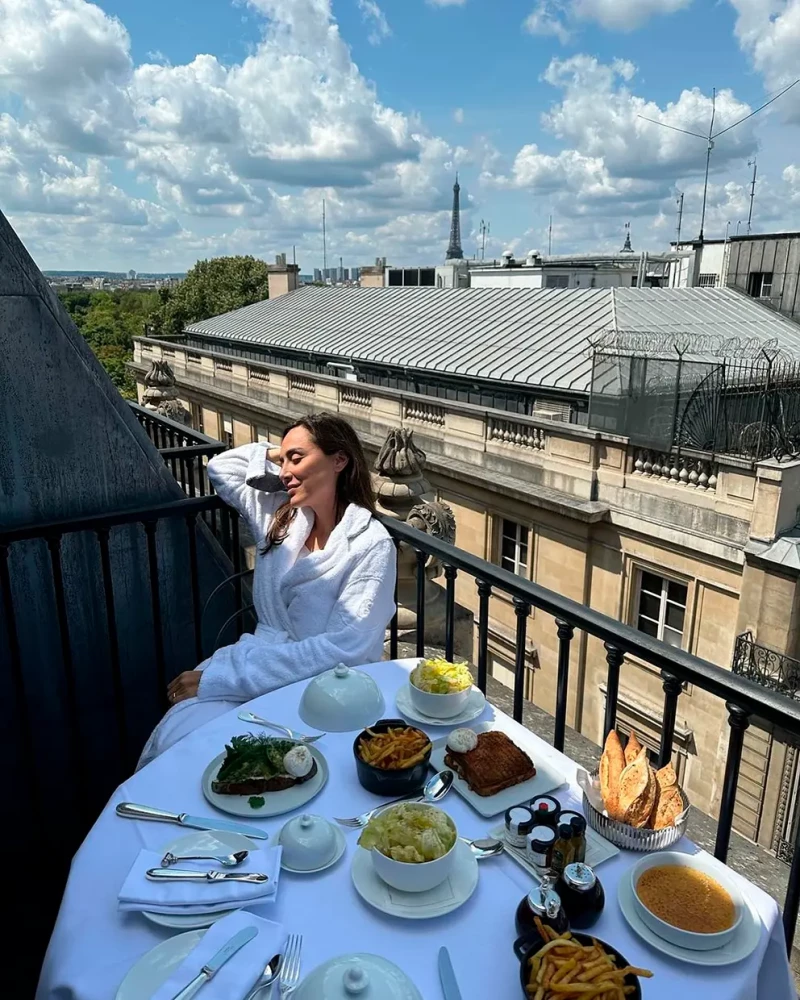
[525, 336]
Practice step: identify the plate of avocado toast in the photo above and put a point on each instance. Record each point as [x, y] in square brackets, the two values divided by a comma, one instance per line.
[250, 778]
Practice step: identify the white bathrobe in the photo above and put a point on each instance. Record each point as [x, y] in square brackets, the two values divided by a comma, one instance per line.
[315, 609]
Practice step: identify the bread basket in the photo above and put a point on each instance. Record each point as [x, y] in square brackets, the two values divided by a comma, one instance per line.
[631, 838]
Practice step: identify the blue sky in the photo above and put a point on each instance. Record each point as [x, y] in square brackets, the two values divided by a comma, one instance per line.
[147, 134]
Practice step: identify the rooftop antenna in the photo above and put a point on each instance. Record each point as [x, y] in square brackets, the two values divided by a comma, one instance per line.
[324, 242]
[294, 254]
[680, 219]
[485, 229]
[754, 164]
[550, 238]
[712, 135]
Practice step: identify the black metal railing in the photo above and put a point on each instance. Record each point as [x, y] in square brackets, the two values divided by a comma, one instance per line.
[766, 667]
[184, 450]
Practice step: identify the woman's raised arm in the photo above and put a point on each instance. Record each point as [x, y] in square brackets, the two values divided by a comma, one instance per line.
[247, 479]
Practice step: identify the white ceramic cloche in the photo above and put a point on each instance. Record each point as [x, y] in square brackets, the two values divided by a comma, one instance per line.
[308, 842]
[357, 977]
[341, 700]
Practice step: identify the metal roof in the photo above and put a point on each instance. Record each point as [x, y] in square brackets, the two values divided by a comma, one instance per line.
[529, 336]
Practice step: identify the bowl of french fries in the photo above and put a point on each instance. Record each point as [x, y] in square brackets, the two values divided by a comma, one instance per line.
[574, 966]
[392, 757]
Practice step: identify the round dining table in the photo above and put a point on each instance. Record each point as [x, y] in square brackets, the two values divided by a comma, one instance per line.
[94, 944]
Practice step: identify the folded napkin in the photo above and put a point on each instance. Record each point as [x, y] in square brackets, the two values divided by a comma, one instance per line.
[238, 974]
[173, 896]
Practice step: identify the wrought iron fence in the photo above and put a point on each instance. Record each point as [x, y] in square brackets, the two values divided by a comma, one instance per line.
[766, 667]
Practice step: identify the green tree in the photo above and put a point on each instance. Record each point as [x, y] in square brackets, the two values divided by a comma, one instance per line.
[211, 287]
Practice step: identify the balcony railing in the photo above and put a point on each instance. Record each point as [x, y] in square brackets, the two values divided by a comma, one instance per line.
[744, 699]
[766, 667]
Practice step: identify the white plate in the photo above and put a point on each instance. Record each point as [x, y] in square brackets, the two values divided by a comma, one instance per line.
[545, 780]
[473, 708]
[743, 943]
[452, 893]
[154, 969]
[200, 842]
[341, 844]
[275, 803]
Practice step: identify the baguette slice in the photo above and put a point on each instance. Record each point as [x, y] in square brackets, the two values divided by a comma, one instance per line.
[669, 805]
[666, 777]
[612, 764]
[637, 791]
[633, 748]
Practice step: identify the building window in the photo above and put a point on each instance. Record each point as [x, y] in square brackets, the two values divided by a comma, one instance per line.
[197, 417]
[706, 280]
[661, 608]
[634, 280]
[514, 547]
[556, 281]
[760, 284]
[226, 429]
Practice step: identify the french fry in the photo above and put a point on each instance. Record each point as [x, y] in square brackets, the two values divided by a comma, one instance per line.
[396, 748]
[565, 969]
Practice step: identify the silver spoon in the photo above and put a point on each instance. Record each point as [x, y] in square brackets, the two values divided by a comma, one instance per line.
[484, 847]
[227, 860]
[437, 786]
[268, 977]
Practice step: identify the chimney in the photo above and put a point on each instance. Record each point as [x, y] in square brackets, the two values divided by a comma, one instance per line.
[372, 277]
[282, 276]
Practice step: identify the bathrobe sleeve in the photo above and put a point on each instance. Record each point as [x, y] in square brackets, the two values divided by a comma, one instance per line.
[246, 480]
[354, 635]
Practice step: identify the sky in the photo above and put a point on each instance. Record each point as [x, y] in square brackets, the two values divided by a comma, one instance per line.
[148, 134]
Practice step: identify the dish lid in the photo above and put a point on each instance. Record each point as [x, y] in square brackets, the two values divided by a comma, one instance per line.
[307, 841]
[357, 977]
[341, 700]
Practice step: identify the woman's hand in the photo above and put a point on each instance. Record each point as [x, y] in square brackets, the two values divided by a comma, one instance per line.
[184, 686]
[274, 456]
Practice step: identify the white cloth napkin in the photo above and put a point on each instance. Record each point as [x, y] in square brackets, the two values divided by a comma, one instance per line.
[238, 974]
[166, 896]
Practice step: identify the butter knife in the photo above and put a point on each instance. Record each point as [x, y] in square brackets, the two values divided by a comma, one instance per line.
[187, 875]
[448, 976]
[131, 810]
[211, 967]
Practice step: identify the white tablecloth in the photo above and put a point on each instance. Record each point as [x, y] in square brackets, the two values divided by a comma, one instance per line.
[93, 944]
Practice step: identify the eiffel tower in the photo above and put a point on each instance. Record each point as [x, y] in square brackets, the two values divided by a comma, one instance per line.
[454, 251]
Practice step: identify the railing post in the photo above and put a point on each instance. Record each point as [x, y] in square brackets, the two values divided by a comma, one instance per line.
[614, 657]
[450, 573]
[113, 644]
[194, 583]
[521, 609]
[672, 689]
[484, 593]
[422, 558]
[738, 720]
[155, 604]
[565, 634]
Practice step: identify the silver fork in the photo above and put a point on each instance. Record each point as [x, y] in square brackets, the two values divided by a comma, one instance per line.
[290, 965]
[359, 822]
[297, 737]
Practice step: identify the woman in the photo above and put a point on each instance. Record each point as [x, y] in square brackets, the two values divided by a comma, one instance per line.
[323, 587]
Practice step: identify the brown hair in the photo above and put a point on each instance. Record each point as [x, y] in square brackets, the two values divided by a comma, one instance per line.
[331, 434]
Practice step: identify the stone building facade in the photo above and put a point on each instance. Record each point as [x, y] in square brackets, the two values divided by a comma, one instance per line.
[692, 549]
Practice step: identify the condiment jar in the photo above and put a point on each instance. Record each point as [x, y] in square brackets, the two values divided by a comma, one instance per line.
[519, 823]
[562, 848]
[578, 824]
[581, 895]
[545, 810]
[545, 904]
[539, 849]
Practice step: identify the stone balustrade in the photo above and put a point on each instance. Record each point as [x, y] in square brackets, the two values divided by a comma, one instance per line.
[299, 383]
[424, 413]
[514, 433]
[259, 374]
[695, 473]
[355, 397]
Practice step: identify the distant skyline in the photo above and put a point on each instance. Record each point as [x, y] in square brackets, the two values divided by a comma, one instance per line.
[147, 135]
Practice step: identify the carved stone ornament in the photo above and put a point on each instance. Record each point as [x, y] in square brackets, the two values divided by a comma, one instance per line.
[160, 394]
[436, 518]
[399, 456]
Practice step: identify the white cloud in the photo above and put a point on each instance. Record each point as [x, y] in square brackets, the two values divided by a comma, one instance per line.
[458, 116]
[546, 19]
[447, 3]
[624, 15]
[376, 21]
[769, 32]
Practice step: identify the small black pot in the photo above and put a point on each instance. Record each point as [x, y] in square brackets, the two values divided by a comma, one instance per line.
[405, 781]
[526, 947]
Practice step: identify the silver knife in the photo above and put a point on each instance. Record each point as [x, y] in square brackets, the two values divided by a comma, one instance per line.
[187, 875]
[133, 811]
[447, 976]
[211, 967]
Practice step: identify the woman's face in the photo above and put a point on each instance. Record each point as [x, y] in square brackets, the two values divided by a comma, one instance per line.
[308, 474]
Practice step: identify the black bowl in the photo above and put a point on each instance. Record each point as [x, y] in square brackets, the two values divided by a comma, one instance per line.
[404, 781]
[526, 947]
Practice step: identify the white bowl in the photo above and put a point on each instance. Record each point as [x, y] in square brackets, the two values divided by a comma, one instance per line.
[675, 935]
[438, 706]
[410, 877]
[308, 842]
[341, 700]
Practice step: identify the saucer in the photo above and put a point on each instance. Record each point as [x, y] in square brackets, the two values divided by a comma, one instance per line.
[473, 708]
[443, 898]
